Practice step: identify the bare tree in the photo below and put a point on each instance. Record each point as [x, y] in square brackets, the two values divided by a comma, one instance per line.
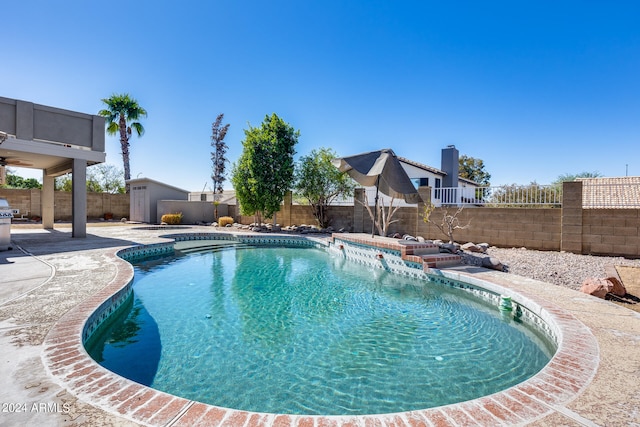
[449, 223]
[384, 214]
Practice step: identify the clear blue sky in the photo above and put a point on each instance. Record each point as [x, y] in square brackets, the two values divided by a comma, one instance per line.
[536, 89]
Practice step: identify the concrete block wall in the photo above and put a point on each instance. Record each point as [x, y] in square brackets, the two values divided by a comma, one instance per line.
[192, 212]
[570, 228]
[19, 199]
[611, 232]
[571, 239]
[341, 217]
[29, 202]
[504, 227]
[117, 204]
[599, 232]
[62, 210]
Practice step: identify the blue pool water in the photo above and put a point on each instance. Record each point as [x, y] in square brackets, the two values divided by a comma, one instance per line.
[298, 331]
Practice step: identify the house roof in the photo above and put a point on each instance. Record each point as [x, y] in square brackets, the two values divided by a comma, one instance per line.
[421, 166]
[432, 169]
[135, 181]
[611, 193]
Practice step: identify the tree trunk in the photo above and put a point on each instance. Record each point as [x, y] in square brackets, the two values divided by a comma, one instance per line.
[320, 213]
[124, 145]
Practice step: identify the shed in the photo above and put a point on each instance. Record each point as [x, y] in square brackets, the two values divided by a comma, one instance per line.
[145, 194]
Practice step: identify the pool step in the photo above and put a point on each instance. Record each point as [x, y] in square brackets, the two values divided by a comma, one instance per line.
[195, 246]
[430, 255]
[440, 260]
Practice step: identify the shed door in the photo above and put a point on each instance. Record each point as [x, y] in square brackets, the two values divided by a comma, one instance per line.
[139, 204]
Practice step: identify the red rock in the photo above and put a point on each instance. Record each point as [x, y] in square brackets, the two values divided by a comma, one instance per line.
[596, 287]
[618, 288]
[492, 263]
[471, 247]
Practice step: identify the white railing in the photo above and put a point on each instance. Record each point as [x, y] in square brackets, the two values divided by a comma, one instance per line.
[370, 197]
[594, 196]
[506, 195]
[610, 195]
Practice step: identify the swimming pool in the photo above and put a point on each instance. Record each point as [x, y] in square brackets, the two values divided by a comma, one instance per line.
[368, 341]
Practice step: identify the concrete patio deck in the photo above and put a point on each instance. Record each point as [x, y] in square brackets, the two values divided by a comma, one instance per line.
[43, 290]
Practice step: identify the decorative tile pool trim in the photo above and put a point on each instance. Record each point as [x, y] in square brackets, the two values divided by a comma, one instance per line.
[251, 239]
[140, 252]
[568, 374]
[103, 315]
[163, 227]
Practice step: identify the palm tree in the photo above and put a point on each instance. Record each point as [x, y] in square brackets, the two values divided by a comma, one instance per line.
[122, 114]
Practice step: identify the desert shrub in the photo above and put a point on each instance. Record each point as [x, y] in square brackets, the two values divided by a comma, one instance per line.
[224, 220]
[172, 219]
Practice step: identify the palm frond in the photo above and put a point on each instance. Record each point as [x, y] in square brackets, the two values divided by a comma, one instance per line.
[112, 128]
[138, 128]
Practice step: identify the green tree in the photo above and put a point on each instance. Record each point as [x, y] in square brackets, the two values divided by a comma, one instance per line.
[473, 169]
[122, 114]
[16, 181]
[319, 183]
[101, 178]
[246, 187]
[108, 177]
[573, 176]
[93, 186]
[63, 183]
[265, 170]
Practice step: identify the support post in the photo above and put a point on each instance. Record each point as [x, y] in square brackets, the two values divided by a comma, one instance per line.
[48, 201]
[79, 198]
[571, 235]
[285, 214]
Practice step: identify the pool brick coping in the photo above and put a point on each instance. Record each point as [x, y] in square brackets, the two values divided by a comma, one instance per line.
[568, 373]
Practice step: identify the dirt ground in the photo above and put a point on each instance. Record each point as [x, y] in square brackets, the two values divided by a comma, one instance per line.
[630, 277]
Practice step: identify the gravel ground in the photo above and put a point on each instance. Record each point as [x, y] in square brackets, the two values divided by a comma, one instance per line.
[560, 268]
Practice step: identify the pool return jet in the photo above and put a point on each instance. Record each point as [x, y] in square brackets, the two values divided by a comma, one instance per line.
[383, 170]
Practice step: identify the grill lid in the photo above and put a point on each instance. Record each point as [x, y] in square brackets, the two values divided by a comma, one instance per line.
[5, 210]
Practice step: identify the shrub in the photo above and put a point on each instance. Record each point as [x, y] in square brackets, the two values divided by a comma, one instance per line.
[172, 219]
[224, 220]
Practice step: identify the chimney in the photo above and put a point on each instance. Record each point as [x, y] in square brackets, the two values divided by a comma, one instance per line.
[450, 166]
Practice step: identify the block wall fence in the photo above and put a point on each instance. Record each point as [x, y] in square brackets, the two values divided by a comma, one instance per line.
[570, 228]
[29, 202]
[611, 232]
